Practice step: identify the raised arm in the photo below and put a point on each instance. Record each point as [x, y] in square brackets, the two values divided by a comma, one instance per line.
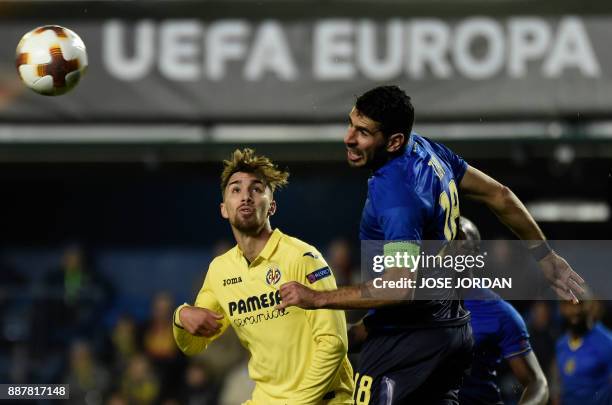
[362, 296]
[367, 295]
[478, 186]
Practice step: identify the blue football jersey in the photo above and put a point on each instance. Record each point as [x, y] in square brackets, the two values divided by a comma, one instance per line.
[414, 197]
[499, 333]
[585, 368]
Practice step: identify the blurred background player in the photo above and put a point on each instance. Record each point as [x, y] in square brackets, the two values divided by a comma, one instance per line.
[500, 334]
[584, 357]
[297, 356]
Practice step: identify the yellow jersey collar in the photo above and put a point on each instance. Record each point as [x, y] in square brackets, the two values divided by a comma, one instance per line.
[271, 245]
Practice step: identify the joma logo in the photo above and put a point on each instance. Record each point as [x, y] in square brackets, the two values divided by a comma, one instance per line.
[233, 280]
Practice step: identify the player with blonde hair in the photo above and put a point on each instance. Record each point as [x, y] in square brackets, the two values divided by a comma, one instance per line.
[297, 356]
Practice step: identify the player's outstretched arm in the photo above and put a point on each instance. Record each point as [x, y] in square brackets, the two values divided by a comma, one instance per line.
[512, 212]
[480, 187]
[362, 296]
[529, 373]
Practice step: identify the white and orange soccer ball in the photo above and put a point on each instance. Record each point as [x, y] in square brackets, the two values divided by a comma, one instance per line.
[51, 59]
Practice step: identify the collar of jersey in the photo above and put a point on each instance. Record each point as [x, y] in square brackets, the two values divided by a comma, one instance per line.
[267, 251]
[575, 343]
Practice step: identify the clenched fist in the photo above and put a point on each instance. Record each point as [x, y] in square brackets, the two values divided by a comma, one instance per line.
[200, 321]
[296, 294]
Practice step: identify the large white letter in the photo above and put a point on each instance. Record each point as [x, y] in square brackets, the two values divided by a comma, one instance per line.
[529, 39]
[270, 53]
[180, 43]
[333, 50]
[492, 61]
[113, 51]
[367, 58]
[428, 45]
[571, 49]
[224, 41]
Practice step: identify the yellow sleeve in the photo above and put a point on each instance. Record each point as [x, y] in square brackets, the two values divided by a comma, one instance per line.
[191, 344]
[328, 331]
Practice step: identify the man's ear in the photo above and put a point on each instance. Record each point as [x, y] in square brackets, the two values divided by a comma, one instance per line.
[272, 209]
[224, 213]
[395, 142]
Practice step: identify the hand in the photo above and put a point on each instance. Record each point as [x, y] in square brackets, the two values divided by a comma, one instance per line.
[564, 281]
[200, 321]
[294, 293]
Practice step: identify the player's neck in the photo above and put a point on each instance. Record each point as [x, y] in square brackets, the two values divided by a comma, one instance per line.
[382, 160]
[251, 245]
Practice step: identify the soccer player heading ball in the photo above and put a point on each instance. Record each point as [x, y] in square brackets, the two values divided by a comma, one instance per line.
[297, 356]
[417, 351]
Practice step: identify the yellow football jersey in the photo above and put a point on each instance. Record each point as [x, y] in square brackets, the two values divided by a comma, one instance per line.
[297, 356]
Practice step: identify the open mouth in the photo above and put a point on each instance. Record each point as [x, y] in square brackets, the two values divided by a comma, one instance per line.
[352, 156]
[246, 210]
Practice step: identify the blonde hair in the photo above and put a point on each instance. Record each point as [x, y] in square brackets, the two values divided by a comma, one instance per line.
[247, 161]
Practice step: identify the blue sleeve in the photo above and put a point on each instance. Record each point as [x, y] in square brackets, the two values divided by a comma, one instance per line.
[400, 211]
[456, 162]
[515, 338]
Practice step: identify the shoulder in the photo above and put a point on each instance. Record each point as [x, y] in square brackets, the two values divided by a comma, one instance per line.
[602, 331]
[428, 143]
[512, 332]
[303, 257]
[507, 322]
[603, 336]
[298, 251]
[511, 315]
[297, 247]
[219, 262]
[432, 146]
[445, 155]
[512, 327]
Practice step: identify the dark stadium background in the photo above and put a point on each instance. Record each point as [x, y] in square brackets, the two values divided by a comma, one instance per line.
[144, 214]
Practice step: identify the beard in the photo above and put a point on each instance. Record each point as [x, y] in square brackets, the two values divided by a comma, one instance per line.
[248, 225]
[372, 162]
[580, 327]
[378, 158]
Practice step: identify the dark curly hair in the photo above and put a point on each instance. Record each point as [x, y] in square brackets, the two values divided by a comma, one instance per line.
[390, 106]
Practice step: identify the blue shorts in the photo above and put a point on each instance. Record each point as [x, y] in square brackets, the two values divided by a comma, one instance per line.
[415, 366]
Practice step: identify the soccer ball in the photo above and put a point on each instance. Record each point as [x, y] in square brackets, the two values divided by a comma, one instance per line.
[51, 59]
